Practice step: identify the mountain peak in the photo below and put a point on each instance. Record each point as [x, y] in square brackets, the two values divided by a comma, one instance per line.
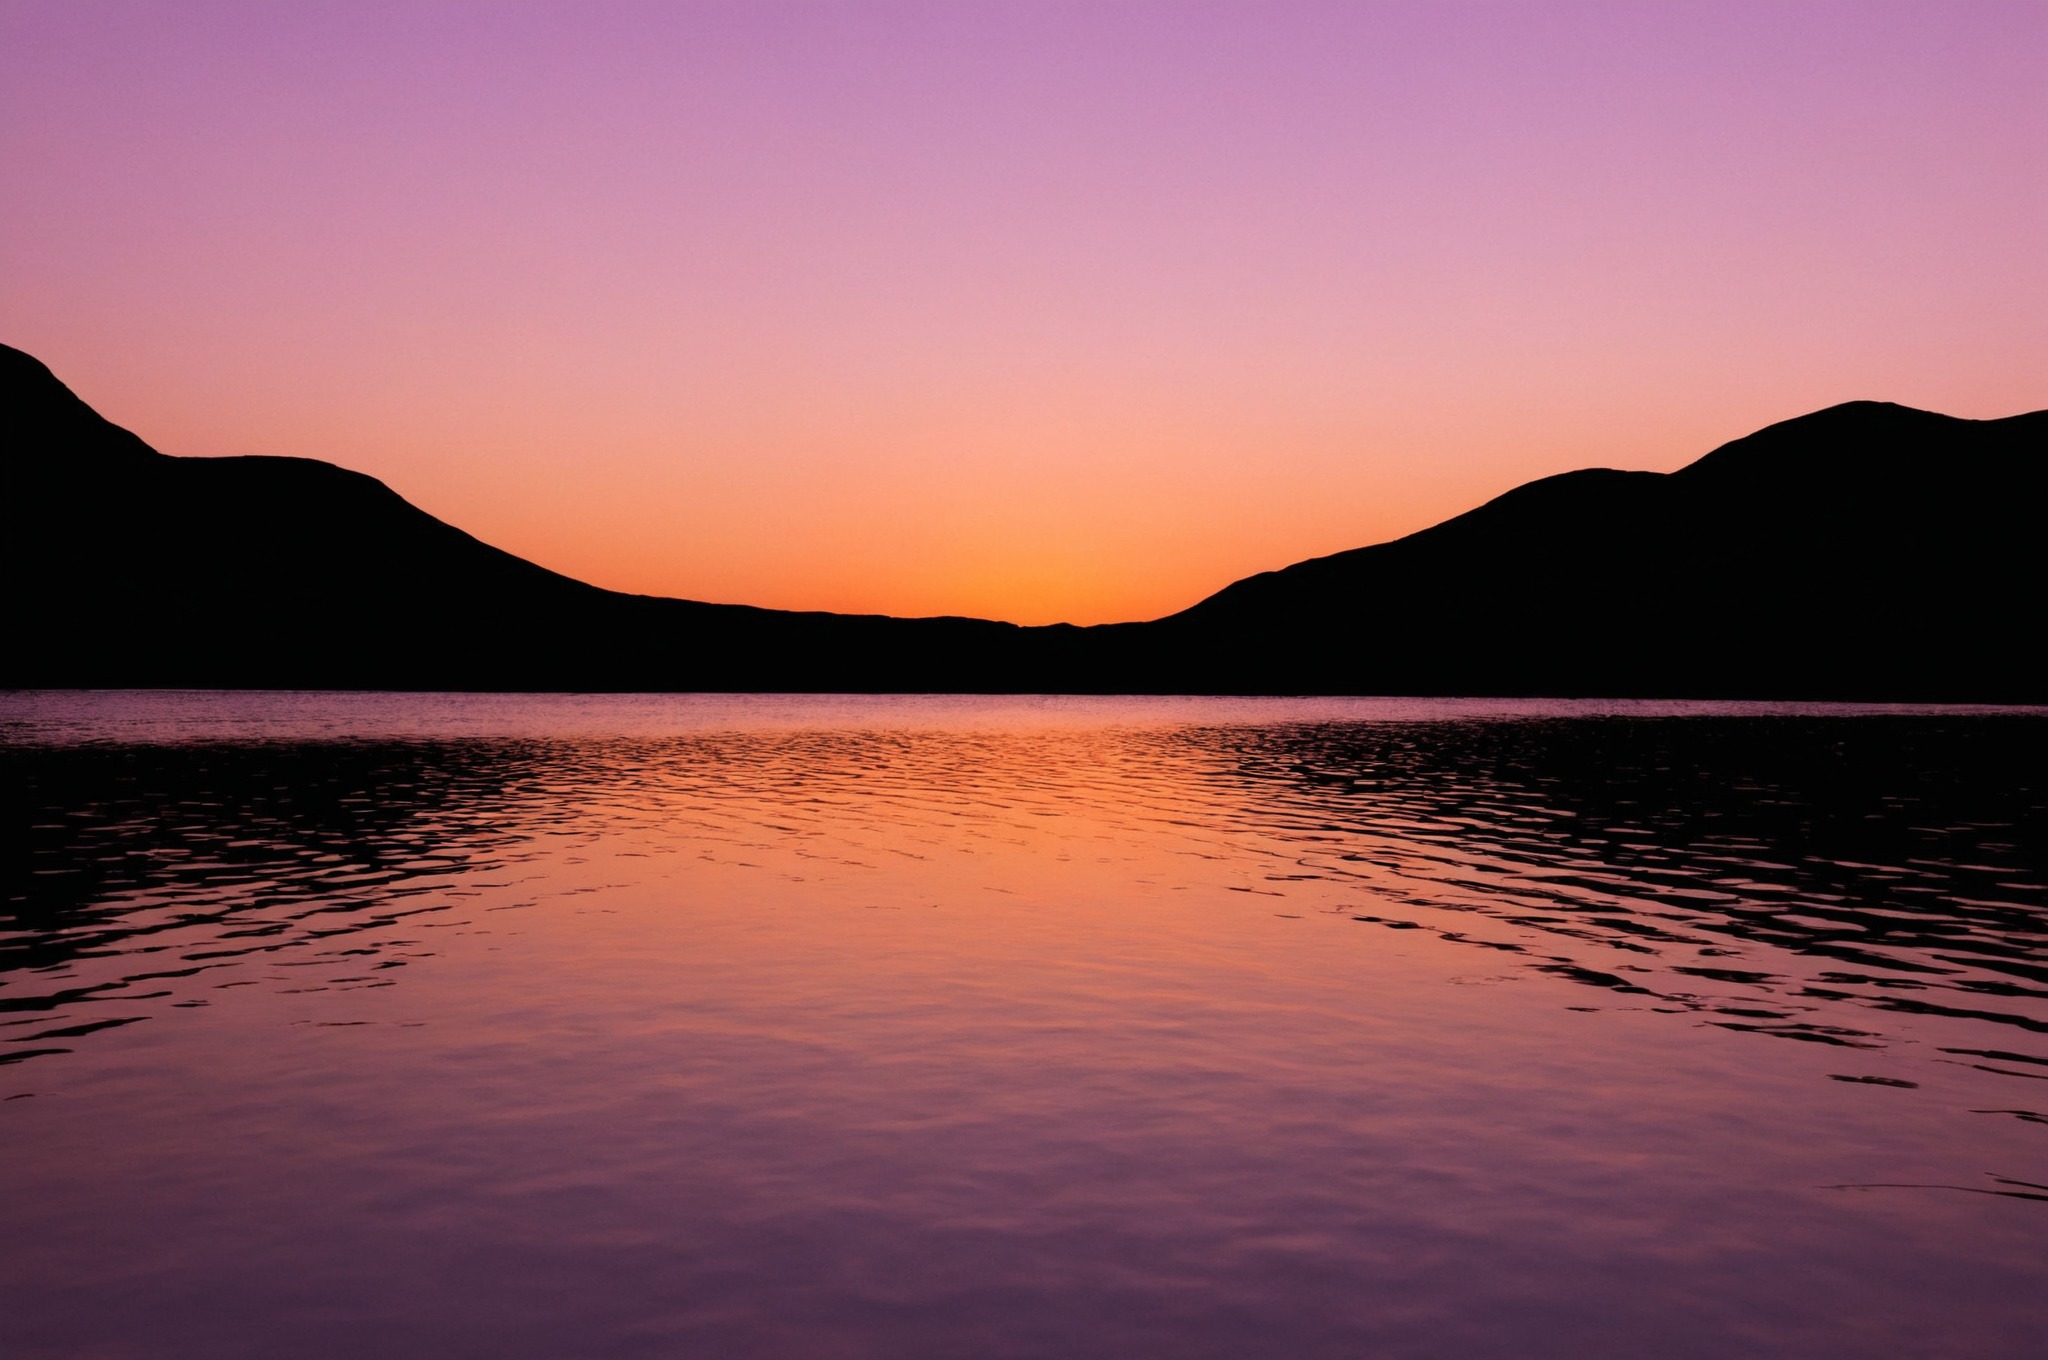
[38, 413]
[1852, 440]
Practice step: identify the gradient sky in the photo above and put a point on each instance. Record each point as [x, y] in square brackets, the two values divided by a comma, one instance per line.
[1032, 311]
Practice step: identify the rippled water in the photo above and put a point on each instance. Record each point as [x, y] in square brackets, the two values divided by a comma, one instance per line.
[507, 1026]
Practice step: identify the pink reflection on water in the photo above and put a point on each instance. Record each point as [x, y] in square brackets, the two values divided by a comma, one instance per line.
[884, 1033]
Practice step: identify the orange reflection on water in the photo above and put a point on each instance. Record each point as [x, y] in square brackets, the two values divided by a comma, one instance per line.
[988, 1027]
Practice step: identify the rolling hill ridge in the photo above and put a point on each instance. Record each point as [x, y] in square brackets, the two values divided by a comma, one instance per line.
[1866, 551]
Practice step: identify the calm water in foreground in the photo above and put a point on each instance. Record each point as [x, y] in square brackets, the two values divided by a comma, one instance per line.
[699, 1026]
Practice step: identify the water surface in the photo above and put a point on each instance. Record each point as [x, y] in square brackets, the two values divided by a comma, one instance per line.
[780, 1026]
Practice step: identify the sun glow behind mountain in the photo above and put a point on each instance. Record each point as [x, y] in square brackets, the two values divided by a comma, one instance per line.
[1024, 311]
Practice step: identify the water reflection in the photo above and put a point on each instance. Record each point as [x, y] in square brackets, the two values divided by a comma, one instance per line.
[540, 1027]
[1892, 865]
[142, 876]
[1802, 878]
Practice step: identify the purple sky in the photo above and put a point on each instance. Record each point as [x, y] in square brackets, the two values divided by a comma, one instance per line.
[1037, 311]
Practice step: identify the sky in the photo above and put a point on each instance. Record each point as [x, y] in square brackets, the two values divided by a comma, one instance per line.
[1032, 311]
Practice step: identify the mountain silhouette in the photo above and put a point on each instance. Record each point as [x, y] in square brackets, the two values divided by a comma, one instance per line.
[1866, 551]
[130, 567]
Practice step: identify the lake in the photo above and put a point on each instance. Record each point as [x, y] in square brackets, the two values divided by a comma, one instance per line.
[795, 1026]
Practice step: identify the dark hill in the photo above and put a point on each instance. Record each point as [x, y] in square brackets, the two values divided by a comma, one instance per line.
[129, 567]
[1868, 550]
[1865, 551]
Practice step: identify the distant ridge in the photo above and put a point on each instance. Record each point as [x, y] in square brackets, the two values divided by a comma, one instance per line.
[1867, 551]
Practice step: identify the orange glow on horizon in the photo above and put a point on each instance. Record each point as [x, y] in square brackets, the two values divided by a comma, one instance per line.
[1027, 312]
